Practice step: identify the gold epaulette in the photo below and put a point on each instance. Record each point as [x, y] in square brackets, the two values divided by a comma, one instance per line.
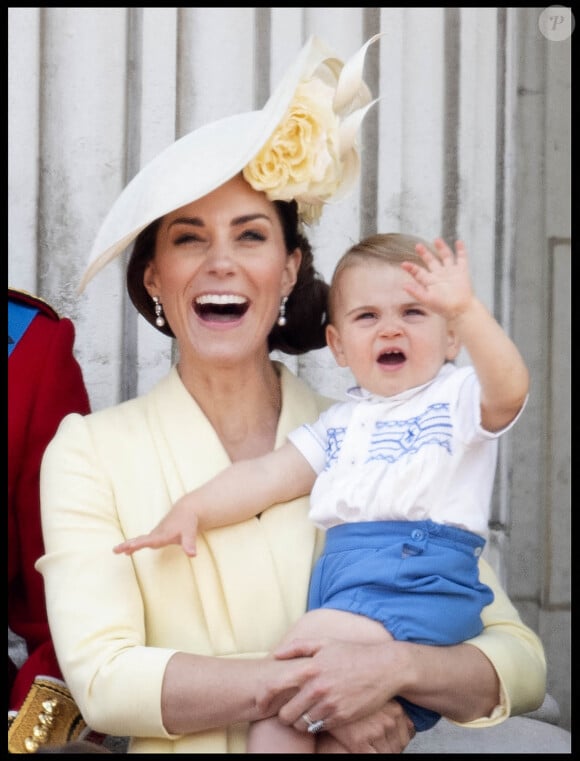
[48, 715]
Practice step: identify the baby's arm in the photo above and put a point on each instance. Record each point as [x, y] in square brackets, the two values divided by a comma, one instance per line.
[445, 287]
[239, 492]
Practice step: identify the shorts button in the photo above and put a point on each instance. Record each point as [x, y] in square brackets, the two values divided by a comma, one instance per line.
[417, 534]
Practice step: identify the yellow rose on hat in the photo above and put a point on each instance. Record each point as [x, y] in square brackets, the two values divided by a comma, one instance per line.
[312, 155]
[301, 160]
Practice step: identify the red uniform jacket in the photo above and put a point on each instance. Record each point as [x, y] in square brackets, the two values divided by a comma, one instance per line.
[45, 383]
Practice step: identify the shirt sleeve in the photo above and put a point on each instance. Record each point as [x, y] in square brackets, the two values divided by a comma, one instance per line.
[469, 405]
[310, 441]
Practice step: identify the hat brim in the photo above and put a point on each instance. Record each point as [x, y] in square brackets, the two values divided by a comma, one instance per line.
[198, 163]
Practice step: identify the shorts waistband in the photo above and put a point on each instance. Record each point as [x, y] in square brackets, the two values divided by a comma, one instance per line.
[347, 535]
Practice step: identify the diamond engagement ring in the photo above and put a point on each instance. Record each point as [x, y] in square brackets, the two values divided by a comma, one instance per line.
[313, 726]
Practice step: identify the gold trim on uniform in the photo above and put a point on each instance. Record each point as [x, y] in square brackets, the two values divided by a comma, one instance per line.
[48, 713]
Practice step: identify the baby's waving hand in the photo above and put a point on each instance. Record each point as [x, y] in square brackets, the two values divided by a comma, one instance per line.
[444, 284]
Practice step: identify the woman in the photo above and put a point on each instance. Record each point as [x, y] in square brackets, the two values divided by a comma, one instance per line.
[173, 651]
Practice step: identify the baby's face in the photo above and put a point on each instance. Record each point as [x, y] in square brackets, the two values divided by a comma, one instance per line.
[390, 342]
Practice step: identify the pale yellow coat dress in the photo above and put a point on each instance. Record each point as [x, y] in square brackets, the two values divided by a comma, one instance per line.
[116, 620]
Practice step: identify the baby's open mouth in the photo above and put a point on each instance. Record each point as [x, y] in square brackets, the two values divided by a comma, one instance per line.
[391, 358]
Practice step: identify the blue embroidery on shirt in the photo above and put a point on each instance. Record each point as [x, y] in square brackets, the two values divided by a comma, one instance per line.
[394, 439]
[334, 439]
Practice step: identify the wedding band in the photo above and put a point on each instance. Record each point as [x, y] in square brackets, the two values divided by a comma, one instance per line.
[313, 726]
[307, 719]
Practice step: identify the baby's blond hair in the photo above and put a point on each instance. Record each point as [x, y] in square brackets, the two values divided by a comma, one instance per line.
[388, 248]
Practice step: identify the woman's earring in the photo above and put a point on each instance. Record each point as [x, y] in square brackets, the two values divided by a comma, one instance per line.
[159, 318]
[282, 315]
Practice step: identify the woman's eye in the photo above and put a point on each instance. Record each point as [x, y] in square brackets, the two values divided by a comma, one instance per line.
[186, 238]
[252, 235]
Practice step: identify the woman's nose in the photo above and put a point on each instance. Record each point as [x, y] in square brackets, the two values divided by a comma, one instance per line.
[220, 259]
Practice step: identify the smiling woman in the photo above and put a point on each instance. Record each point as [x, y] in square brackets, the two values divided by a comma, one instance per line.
[205, 258]
[306, 302]
[224, 265]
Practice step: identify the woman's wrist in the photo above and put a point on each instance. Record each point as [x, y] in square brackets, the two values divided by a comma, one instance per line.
[401, 667]
[457, 681]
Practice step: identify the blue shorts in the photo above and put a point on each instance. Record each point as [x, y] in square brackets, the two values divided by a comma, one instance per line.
[420, 579]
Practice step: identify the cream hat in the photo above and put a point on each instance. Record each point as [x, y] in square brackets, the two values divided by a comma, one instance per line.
[300, 146]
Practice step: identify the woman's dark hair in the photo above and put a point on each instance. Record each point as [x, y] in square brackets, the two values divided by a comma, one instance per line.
[143, 252]
[306, 307]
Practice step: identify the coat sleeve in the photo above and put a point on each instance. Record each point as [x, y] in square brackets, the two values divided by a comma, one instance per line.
[515, 651]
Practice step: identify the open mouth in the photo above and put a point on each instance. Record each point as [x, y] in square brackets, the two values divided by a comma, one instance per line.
[214, 307]
[392, 358]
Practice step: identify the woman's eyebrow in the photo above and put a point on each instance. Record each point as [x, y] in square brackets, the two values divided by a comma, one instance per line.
[195, 221]
[250, 218]
[198, 222]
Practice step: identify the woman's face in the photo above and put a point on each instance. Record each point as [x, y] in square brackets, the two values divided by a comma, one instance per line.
[220, 269]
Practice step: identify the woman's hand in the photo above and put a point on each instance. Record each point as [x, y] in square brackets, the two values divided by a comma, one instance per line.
[345, 684]
[389, 730]
[338, 682]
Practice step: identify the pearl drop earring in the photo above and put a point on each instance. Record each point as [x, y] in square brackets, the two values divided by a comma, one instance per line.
[282, 315]
[159, 318]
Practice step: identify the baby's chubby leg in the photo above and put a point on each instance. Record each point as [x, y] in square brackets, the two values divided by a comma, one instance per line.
[338, 624]
[270, 736]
